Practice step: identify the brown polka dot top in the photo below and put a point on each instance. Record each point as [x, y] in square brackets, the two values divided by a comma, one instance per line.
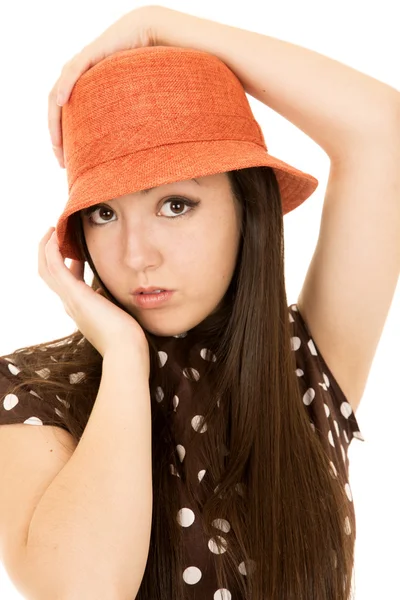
[331, 417]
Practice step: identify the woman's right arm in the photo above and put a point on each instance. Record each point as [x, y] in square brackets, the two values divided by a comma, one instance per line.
[90, 532]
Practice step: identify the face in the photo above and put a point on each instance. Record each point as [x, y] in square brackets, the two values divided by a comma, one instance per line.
[181, 236]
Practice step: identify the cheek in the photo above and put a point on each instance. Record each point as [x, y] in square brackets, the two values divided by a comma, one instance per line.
[209, 254]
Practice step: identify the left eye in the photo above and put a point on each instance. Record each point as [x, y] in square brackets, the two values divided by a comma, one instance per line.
[181, 201]
[173, 201]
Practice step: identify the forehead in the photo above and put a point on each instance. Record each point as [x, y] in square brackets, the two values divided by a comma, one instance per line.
[148, 190]
[207, 182]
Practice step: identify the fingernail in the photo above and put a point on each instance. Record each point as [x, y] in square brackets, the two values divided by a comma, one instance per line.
[60, 98]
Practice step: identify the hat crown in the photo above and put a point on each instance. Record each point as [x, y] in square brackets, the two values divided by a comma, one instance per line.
[149, 116]
[153, 94]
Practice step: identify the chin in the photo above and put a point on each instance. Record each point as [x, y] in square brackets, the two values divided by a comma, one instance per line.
[162, 329]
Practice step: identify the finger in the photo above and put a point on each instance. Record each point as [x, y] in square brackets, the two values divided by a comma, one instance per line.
[54, 125]
[42, 245]
[53, 118]
[58, 269]
[43, 270]
[72, 71]
[54, 114]
[55, 262]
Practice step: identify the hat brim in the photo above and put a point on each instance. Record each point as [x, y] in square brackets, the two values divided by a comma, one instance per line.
[161, 165]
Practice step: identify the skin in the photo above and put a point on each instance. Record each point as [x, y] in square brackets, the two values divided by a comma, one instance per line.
[136, 244]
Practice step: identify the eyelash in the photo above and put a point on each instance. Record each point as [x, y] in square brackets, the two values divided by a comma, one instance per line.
[88, 211]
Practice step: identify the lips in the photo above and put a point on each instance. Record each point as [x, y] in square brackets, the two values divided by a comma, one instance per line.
[148, 291]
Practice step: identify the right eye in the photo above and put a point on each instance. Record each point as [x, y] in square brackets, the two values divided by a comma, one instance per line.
[88, 212]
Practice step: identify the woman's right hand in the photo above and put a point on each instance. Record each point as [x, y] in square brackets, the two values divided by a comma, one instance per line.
[102, 323]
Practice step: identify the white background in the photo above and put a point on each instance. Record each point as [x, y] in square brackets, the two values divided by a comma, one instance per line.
[36, 39]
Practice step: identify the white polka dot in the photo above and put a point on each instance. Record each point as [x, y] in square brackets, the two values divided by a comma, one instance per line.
[346, 436]
[175, 402]
[345, 409]
[291, 320]
[312, 347]
[309, 396]
[348, 492]
[34, 394]
[13, 369]
[327, 409]
[191, 373]
[347, 526]
[326, 380]
[33, 421]
[10, 401]
[185, 517]
[295, 342]
[192, 575]
[206, 354]
[334, 559]
[299, 372]
[212, 544]
[333, 469]
[181, 452]
[222, 594]
[159, 393]
[343, 453]
[201, 474]
[358, 435]
[45, 373]
[173, 470]
[222, 524]
[247, 568]
[64, 402]
[330, 438]
[74, 377]
[197, 422]
[294, 307]
[162, 358]
[312, 426]
[337, 428]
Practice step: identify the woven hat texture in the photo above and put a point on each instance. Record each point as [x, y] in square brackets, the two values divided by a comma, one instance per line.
[150, 116]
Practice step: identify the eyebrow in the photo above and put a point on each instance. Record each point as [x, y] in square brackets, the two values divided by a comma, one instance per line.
[144, 192]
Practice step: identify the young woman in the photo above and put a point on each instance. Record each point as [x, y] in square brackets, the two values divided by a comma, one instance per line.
[200, 436]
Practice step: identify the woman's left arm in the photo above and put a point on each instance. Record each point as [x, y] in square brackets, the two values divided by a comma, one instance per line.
[332, 103]
[353, 274]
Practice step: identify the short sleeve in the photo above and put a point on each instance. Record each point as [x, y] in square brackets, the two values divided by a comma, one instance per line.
[24, 405]
[327, 405]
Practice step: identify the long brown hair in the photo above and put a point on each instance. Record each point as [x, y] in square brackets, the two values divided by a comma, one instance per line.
[288, 522]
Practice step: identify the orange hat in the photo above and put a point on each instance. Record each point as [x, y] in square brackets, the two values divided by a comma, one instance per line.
[154, 115]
